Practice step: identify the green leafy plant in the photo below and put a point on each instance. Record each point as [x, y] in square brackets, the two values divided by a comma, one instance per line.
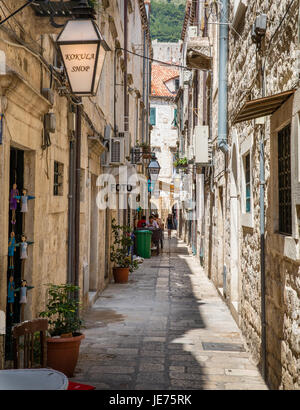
[122, 243]
[180, 162]
[167, 19]
[62, 310]
[93, 3]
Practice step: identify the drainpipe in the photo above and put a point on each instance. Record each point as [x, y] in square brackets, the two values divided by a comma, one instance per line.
[147, 6]
[223, 59]
[77, 198]
[71, 264]
[125, 64]
[262, 243]
[126, 108]
[144, 82]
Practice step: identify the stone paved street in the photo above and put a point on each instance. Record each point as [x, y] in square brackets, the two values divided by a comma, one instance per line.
[166, 329]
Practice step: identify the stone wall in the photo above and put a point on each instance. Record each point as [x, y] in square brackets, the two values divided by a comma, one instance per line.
[281, 289]
[28, 44]
[231, 236]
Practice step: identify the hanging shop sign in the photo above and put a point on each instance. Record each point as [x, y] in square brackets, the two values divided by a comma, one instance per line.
[83, 51]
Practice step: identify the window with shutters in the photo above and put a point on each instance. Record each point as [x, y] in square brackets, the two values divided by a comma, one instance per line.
[247, 183]
[174, 122]
[153, 116]
[284, 180]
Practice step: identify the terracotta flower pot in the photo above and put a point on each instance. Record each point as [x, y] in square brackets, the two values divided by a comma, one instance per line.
[121, 275]
[62, 353]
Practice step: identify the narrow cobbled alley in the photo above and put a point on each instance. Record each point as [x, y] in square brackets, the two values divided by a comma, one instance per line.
[166, 329]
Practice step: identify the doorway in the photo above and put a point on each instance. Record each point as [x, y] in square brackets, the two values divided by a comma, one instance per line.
[14, 265]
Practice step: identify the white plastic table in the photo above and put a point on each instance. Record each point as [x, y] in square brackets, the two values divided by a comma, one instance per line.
[32, 379]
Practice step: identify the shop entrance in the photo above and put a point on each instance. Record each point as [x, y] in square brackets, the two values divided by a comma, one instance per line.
[14, 265]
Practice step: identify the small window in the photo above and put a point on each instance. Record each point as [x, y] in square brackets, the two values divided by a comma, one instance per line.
[174, 122]
[247, 183]
[58, 178]
[153, 116]
[284, 181]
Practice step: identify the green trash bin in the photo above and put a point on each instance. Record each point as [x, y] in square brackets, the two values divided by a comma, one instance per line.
[143, 243]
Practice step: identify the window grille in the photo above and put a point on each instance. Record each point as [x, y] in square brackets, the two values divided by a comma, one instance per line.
[58, 179]
[284, 180]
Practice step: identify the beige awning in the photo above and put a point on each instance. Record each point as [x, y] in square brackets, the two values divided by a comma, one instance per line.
[262, 107]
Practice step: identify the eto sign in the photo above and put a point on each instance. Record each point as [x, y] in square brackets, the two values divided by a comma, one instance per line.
[124, 188]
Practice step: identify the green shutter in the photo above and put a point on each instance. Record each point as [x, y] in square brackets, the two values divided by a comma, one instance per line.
[175, 117]
[153, 116]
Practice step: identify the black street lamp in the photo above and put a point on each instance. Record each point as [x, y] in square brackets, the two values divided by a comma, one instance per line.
[83, 51]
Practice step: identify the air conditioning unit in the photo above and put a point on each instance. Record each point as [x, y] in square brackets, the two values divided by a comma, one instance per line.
[117, 151]
[203, 146]
[193, 31]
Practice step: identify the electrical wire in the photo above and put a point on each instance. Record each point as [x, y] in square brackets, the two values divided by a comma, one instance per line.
[28, 2]
[158, 61]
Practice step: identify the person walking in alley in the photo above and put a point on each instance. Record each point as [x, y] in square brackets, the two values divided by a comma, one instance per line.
[161, 227]
[142, 222]
[152, 223]
[170, 225]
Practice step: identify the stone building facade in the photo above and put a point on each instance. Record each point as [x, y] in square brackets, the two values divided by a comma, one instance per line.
[40, 156]
[250, 251]
[164, 133]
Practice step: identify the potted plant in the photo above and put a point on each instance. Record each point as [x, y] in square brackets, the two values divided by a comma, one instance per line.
[181, 163]
[64, 328]
[120, 252]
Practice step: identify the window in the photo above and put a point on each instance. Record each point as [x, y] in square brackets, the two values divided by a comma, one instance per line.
[153, 116]
[247, 183]
[174, 122]
[58, 178]
[176, 84]
[284, 180]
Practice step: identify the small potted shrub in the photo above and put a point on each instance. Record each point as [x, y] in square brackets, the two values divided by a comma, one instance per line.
[64, 328]
[120, 252]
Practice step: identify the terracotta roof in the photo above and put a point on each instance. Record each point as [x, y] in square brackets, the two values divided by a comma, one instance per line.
[161, 75]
